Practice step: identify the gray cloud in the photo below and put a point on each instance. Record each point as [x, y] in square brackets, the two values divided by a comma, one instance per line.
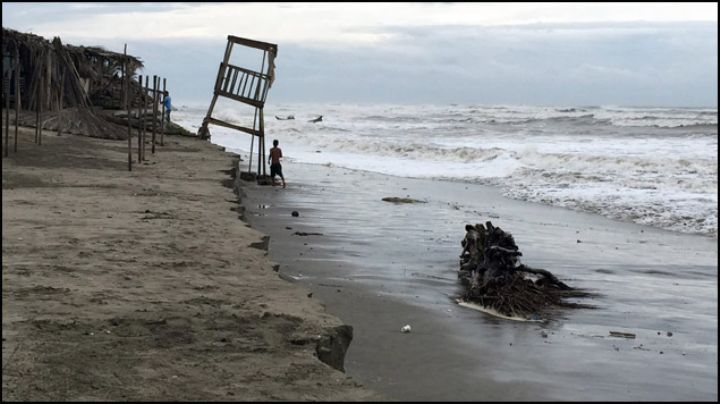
[628, 63]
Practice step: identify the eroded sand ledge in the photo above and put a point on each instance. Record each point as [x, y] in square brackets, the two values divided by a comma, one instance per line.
[141, 285]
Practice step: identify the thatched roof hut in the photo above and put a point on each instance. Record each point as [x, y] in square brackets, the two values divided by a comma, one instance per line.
[75, 76]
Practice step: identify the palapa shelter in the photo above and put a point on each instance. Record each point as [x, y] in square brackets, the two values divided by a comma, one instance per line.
[68, 86]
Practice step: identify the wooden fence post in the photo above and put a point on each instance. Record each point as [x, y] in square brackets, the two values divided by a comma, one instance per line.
[154, 112]
[18, 104]
[139, 111]
[7, 114]
[126, 99]
[162, 118]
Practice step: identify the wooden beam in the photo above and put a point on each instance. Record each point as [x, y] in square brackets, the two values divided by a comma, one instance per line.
[253, 44]
[231, 126]
[255, 103]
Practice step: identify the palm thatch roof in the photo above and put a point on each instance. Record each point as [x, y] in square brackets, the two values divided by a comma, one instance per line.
[55, 77]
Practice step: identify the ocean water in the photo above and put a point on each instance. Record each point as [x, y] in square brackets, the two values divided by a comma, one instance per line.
[651, 166]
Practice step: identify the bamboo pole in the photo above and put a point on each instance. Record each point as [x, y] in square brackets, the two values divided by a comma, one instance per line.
[252, 140]
[7, 116]
[40, 105]
[144, 113]
[18, 104]
[162, 118]
[139, 110]
[262, 130]
[127, 105]
[154, 112]
[37, 105]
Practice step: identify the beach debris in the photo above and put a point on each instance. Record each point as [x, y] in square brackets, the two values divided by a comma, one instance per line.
[248, 176]
[406, 328]
[494, 279]
[287, 118]
[295, 213]
[309, 295]
[302, 233]
[264, 244]
[318, 119]
[620, 334]
[396, 200]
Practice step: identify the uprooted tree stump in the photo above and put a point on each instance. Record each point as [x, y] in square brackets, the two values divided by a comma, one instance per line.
[494, 278]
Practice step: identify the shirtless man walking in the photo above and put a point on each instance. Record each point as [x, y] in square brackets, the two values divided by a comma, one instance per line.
[275, 166]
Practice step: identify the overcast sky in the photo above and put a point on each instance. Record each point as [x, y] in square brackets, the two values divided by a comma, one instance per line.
[643, 54]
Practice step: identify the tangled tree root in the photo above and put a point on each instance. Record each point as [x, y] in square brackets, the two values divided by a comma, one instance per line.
[494, 278]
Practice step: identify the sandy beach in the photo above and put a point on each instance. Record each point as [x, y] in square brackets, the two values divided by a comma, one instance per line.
[144, 285]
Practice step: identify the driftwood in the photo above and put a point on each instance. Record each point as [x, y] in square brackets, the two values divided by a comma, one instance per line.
[493, 277]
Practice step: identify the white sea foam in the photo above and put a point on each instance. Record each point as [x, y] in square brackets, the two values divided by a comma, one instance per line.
[654, 166]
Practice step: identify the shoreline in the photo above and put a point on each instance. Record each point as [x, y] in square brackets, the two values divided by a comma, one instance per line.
[143, 285]
[380, 266]
[499, 189]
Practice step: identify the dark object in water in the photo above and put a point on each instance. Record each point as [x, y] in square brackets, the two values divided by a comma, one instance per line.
[493, 277]
[287, 118]
[295, 213]
[397, 200]
[303, 233]
[318, 119]
[622, 334]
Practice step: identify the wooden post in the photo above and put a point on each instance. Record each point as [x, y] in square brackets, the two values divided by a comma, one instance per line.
[262, 133]
[139, 111]
[39, 102]
[126, 100]
[144, 109]
[218, 80]
[18, 104]
[7, 115]
[154, 112]
[162, 118]
[37, 105]
[252, 140]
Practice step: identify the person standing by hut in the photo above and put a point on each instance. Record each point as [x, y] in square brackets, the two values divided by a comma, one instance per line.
[168, 104]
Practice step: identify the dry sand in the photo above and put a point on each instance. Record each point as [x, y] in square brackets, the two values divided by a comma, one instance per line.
[142, 285]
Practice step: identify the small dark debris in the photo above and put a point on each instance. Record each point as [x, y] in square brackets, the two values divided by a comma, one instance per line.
[309, 294]
[295, 213]
[302, 233]
[669, 334]
[579, 241]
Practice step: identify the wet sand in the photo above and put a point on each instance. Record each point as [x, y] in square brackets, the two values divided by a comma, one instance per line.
[379, 266]
[143, 285]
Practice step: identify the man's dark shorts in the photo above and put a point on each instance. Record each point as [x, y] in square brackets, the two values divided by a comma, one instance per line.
[276, 169]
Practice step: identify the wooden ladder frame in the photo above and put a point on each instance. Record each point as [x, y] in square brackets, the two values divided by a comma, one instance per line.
[246, 86]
